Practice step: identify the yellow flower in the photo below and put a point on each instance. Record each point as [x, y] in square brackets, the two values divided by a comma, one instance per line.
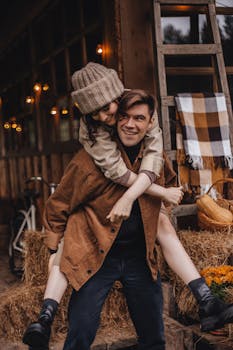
[218, 274]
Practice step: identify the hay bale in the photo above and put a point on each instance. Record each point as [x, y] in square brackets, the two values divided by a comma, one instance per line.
[21, 305]
[18, 306]
[205, 249]
[36, 258]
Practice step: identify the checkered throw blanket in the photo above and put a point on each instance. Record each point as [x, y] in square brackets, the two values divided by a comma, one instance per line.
[202, 136]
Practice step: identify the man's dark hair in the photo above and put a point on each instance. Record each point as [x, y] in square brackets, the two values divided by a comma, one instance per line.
[136, 97]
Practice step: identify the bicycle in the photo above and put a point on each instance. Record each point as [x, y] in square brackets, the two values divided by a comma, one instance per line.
[23, 220]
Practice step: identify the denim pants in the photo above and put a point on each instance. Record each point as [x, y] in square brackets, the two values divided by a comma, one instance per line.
[143, 296]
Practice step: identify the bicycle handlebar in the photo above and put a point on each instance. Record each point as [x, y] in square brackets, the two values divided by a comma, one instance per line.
[52, 186]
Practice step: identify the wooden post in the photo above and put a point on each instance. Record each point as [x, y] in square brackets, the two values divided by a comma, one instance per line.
[137, 44]
[2, 137]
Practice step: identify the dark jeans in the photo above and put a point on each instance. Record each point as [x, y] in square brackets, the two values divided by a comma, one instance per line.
[144, 299]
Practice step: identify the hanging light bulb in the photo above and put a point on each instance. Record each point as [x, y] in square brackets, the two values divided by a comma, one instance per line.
[14, 125]
[99, 49]
[29, 100]
[54, 110]
[45, 87]
[19, 128]
[7, 125]
[64, 111]
[37, 87]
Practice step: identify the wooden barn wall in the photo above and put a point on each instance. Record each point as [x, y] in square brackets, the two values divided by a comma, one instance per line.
[16, 170]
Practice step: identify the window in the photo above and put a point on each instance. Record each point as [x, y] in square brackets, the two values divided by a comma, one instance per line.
[63, 38]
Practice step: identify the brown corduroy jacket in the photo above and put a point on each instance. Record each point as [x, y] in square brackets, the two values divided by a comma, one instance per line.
[78, 209]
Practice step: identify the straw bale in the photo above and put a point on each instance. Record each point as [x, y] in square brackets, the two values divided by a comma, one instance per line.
[205, 249]
[36, 258]
[21, 305]
[162, 264]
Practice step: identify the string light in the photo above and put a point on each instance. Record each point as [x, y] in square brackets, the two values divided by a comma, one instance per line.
[7, 125]
[54, 110]
[64, 111]
[99, 49]
[45, 87]
[37, 87]
[19, 128]
[29, 100]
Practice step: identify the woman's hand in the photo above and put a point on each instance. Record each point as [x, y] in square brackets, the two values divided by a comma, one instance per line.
[121, 209]
[173, 195]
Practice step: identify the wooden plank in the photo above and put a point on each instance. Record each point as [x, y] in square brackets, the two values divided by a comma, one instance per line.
[56, 168]
[29, 170]
[44, 170]
[166, 128]
[135, 24]
[22, 172]
[2, 134]
[185, 2]
[36, 171]
[185, 209]
[178, 336]
[168, 101]
[4, 179]
[202, 71]
[189, 49]
[12, 178]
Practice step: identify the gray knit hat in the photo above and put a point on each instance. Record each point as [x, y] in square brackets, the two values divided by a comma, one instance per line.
[95, 86]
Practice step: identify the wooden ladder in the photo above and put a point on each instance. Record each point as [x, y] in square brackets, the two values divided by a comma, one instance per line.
[163, 50]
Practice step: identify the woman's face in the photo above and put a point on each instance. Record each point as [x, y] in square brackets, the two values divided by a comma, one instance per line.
[107, 114]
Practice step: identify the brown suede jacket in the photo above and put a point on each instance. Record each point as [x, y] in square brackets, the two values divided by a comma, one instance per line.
[78, 209]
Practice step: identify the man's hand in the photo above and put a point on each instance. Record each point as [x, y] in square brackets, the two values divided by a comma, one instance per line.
[173, 195]
[121, 210]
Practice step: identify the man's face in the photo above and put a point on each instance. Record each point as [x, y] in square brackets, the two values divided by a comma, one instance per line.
[107, 114]
[134, 124]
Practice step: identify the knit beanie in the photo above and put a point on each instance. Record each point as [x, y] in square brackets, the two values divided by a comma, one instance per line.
[95, 86]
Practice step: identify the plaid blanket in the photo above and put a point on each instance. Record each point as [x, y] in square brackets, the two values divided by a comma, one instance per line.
[203, 144]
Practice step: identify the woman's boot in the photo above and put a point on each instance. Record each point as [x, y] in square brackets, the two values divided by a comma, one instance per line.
[38, 333]
[213, 312]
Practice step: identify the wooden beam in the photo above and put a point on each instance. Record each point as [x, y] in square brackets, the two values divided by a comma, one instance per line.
[168, 101]
[190, 70]
[185, 209]
[136, 35]
[110, 54]
[195, 70]
[190, 49]
[2, 136]
[185, 2]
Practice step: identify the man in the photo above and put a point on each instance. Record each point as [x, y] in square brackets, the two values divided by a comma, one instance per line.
[98, 252]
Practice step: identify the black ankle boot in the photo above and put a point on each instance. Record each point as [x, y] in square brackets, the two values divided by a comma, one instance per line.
[213, 312]
[38, 333]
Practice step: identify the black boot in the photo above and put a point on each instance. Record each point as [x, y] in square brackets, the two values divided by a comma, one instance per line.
[38, 333]
[213, 312]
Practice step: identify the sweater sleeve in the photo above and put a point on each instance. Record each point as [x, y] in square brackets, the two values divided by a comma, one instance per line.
[104, 152]
[153, 153]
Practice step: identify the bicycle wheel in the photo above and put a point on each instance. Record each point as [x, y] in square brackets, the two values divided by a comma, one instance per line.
[16, 258]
